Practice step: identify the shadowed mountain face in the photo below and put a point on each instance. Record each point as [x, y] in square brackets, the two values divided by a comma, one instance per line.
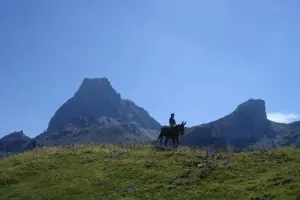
[14, 142]
[287, 134]
[245, 126]
[97, 98]
[98, 113]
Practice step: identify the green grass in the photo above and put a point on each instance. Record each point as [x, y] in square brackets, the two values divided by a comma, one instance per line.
[88, 172]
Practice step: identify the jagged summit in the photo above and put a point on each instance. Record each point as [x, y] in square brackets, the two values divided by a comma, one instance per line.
[14, 142]
[97, 98]
[254, 106]
[248, 123]
[97, 87]
[253, 103]
[249, 119]
[95, 83]
[15, 134]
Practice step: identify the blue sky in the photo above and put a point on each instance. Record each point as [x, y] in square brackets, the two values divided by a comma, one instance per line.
[199, 59]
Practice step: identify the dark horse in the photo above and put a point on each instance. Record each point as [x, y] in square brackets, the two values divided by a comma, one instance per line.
[171, 133]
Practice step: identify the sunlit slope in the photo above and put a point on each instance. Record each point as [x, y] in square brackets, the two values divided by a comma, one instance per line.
[143, 172]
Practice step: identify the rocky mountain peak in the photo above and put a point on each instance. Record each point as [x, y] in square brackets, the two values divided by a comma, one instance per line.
[14, 142]
[255, 107]
[248, 123]
[249, 119]
[14, 135]
[98, 88]
[97, 98]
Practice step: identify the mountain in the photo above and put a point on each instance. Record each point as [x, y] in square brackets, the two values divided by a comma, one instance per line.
[97, 112]
[287, 134]
[14, 142]
[246, 126]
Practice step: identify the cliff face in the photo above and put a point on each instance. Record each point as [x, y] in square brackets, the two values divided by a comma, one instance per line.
[97, 112]
[97, 98]
[246, 125]
[248, 120]
[14, 142]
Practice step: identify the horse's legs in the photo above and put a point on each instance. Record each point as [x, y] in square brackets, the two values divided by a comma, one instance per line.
[166, 141]
[161, 138]
[174, 143]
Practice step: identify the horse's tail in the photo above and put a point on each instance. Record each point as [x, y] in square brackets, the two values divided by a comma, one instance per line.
[161, 134]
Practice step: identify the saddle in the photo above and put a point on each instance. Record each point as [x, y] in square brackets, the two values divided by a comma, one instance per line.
[168, 127]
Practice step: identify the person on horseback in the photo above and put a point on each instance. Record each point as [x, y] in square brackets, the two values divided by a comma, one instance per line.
[171, 132]
[172, 121]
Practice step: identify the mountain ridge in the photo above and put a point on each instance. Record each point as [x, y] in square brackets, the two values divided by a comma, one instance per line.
[245, 127]
[14, 142]
[97, 97]
[97, 113]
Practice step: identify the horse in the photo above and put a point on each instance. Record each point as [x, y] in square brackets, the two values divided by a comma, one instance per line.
[171, 133]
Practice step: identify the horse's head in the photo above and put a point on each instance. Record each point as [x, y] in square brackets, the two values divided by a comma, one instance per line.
[180, 128]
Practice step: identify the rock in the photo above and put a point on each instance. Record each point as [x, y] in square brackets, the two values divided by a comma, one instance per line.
[97, 98]
[148, 164]
[14, 142]
[97, 113]
[200, 165]
[246, 125]
[32, 144]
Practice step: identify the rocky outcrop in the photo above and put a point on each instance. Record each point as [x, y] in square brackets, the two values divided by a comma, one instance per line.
[14, 142]
[287, 134]
[97, 113]
[97, 98]
[248, 120]
[32, 144]
[246, 125]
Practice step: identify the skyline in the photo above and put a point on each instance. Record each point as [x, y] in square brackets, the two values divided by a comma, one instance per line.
[273, 116]
[195, 58]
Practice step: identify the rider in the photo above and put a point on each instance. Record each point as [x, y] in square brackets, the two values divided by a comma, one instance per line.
[172, 121]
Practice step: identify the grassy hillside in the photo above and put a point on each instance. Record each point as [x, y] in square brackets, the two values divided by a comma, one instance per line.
[141, 172]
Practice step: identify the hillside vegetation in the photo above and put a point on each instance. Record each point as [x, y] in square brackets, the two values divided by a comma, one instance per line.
[145, 172]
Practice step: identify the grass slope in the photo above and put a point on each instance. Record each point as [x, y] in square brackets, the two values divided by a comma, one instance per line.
[141, 172]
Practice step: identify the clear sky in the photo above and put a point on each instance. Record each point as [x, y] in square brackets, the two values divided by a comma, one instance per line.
[199, 59]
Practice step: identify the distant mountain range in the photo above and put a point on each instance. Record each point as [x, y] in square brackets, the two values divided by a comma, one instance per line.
[247, 126]
[97, 113]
